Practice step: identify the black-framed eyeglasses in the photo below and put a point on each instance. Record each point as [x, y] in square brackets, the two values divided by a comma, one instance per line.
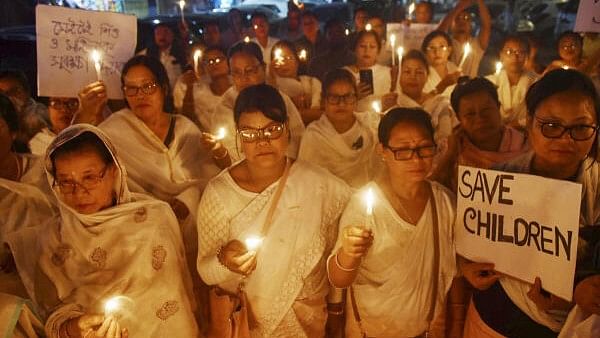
[578, 132]
[434, 49]
[88, 182]
[213, 61]
[68, 104]
[146, 89]
[270, 132]
[405, 154]
[349, 98]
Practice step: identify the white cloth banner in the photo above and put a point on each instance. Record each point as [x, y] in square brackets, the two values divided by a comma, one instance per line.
[65, 40]
[588, 16]
[408, 36]
[526, 225]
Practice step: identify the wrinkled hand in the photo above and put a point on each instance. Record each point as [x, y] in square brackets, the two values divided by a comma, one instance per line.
[480, 275]
[237, 258]
[92, 101]
[96, 326]
[587, 295]
[356, 241]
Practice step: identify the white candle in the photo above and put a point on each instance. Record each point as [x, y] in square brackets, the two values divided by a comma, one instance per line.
[302, 55]
[347, 31]
[253, 242]
[181, 6]
[197, 57]
[376, 106]
[111, 306]
[400, 52]
[466, 51]
[411, 9]
[370, 201]
[393, 45]
[368, 27]
[221, 133]
[247, 39]
[255, 27]
[278, 56]
[498, 67]
[97, 58]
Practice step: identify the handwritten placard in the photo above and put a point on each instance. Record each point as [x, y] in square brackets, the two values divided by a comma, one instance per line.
[588, 16]
[65, 40]
[409, 36]
[526, 225]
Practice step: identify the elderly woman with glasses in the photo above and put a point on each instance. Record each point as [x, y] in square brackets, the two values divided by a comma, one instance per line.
[562, 122]
[268, 222]
[398, 258]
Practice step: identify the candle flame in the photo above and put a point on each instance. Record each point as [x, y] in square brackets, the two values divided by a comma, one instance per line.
[111, 306]
[411, 8]
[376, 106]
[255, 27]
[221, 133]
[347, 32]
[498, 67]
[253, 242]
[370, 201]
[393, 40]
[302, 54]
[96, 55]
[467, 49]
[181, 4]
[247, 39]
[368, 27]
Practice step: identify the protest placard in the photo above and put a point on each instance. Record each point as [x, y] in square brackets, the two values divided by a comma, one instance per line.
[66, 39]
[588, 16]
[409, 36]
[526, 225]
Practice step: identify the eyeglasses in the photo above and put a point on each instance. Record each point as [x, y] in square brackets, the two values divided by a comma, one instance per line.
[405, 154]
[570, 46]
[578, 132]
[68, 104]
[248, 71]
[270, 132]
[147, 89]
[88, 182]
[437, 48]
[349, 98]
[213, 62]
[465, 17]
[515, 52]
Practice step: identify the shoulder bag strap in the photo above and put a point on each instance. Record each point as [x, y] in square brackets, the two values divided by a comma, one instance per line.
[436, 257]
[268, 220]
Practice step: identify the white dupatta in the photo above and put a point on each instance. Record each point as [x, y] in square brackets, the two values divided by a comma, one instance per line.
[512, 98]
[438, 108]
[433, 79]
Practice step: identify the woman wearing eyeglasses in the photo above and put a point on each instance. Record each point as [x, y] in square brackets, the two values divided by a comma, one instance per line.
[106, 242]
[513, 81]
[413, 76]
[341, 141]
[398, 263]
[443, 73]
[570, 51]
[61, 111]
[195, 97]
[290, 207]
[562, 123]
[304, 90]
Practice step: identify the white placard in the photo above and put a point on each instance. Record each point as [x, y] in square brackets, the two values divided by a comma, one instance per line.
[65, 40]
[409, 36]
[526, 225]
[588, 16]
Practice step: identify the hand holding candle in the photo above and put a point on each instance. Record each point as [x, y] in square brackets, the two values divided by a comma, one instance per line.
[466, 51]
[400, 53]
[97, 58]
[197, 57]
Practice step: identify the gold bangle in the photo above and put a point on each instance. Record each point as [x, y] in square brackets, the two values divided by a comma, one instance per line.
[222, 156]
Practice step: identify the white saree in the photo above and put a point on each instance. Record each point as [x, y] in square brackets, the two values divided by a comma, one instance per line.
[394, 287]
[438, 107]
[350, 156]
[382, 81]
[288, 288]
[512, 98]
[132, 249]
[205, 100]
[304, 85]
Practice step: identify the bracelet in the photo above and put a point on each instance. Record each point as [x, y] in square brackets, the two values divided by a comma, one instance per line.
[337, 263]
[222, 156]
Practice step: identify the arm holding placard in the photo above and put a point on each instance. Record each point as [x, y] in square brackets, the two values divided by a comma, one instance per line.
[480, 275]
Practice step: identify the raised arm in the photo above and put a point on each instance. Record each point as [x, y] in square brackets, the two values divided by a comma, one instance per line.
[447, 21]
[486, 24]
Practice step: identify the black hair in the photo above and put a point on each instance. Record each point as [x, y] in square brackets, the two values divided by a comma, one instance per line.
[360, 35]
[18, 76]
[360, 9]
[415, 54]
[426, 3]
[572, 34]
[176, 49]
[310, 13]
[259, 15]
[262, 98]
[466, 86]
[85, 140]
[432, 35]
[248, 48]
[337, 75]
[8, 113]
[416, 116]
[214, 49]
[158, 71]
[522, 40]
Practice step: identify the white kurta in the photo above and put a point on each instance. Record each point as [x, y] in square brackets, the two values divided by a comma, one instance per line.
[349, 156]
[434, 78]
[222, 117]
[40, 142]
[205, 100]
[438, 107]
[512, 98]
[304, 85]
[288, 288]
[266, 51]
[382, 81]
[393, 288]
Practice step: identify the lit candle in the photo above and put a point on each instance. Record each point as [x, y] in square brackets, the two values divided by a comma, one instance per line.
[278, 56]
[97, 58]
[466, 51]
[247, 39]
[253, 242]
[370, 203]
[302, 55]
[221, 133]
[376, 106]
[255, 27]
[368, 27]
[498, 67]
[197, 57]
[565, 67]
[347, 31]
[400, 52]
[393, 44]
[411, 9]
[181, 6]
[111, 306]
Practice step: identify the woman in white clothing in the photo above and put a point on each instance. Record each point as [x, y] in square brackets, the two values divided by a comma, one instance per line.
[399, 262]
[304, 90]
[413, 76]
[341, 141]
[285, 277]
[443, 73]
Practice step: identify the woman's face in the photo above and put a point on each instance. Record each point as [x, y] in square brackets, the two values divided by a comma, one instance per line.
[569, 49]
[479, 116]
[143, 93]
[263, 141]
[61, 111]
[513, 56]
[404, 137]
[246, 71]
[215, 63]
[413, 76]
[84, 181]
[438, 51]
[340, 102]
[6, 138]
[367, 51]
[567, 109]
[285, 65]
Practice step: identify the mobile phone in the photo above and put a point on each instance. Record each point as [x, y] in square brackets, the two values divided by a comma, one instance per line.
[366, 76]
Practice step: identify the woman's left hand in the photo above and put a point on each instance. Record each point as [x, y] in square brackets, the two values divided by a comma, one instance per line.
[587, 295]
[544, 300]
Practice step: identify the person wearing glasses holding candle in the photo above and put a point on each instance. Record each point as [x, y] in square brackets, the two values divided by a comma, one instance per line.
[399, 264]
[341, 141]
[443, 73]
[563, 111]
[570, 51]
[413, 77]
[513, 80]
[304, 90]
[247, 68]
[285, 277]
[61, 111]
[105, 241]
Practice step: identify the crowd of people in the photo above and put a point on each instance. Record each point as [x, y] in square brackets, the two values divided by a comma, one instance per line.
[240, 180]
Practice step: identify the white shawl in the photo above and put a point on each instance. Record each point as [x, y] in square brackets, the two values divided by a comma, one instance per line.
[204, 100]
[40, 142]
[512, 98]
[304, 85]
[433, 79]
[439, 110]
